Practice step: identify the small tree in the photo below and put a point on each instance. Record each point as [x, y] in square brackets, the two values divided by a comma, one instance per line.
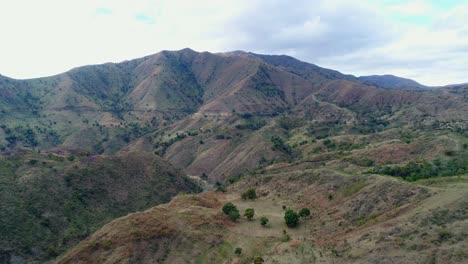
[229, 207]
[238, 251]
[249, 213]
[304, 212]
[249, 194]
[264, 220]
[291, 218]
[234, 215]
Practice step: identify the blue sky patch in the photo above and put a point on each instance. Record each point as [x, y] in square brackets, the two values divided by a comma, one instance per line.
[103, 11]
[144, 18]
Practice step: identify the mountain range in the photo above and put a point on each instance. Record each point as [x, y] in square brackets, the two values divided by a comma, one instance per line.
[365, 154]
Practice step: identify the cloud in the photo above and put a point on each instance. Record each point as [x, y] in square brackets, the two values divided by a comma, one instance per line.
[308, 28]
[435, 54]
[425, 40]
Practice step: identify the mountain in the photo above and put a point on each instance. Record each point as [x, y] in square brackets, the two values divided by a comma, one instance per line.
[124, 137]
[393, 82]
[104, 107]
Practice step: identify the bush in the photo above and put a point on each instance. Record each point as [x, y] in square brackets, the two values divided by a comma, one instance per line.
[249, 194]
[238, 251]
[304, 212]
[264, 220]
[249, 213]
[291, 218]
[229, 207]
[234, 215]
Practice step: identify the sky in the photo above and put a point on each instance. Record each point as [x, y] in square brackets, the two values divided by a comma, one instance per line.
[425, 40]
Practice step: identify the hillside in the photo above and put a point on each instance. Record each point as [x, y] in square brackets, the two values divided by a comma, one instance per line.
[355, 219]
[52, 200]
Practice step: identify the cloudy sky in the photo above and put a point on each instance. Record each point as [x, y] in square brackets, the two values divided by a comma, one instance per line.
[426, 40]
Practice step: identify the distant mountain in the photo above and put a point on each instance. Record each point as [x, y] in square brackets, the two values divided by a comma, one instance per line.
[393, 82]
[151, 103]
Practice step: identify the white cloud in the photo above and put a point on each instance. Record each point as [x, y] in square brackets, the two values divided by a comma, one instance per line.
[358, 37]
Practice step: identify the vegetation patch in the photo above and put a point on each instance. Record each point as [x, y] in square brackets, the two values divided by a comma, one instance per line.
[426, 169]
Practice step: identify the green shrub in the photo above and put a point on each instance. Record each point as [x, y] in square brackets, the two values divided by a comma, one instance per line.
[231, 210]
[229, 207]
[238, 251]
[264, 220]
[234, 215]
[249, 194]
[249, 213]
[304, 212]
[291, 218]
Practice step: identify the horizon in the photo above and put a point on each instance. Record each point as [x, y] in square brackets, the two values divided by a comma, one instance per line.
[422, 40]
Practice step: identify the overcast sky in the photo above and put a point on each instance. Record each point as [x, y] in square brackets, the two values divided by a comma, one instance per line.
[426, 40]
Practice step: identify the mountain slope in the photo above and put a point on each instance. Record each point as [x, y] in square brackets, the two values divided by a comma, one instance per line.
[51, 201]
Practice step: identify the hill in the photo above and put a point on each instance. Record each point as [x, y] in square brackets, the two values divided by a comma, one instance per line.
[355, 219]
[52, 200]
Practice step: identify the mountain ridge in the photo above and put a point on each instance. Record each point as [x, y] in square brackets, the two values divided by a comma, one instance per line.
[410, 82]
